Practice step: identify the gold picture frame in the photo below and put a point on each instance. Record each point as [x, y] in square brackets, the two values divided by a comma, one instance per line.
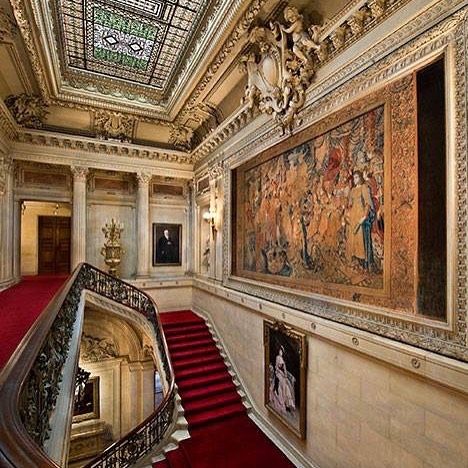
[285, 367]
[88, 406]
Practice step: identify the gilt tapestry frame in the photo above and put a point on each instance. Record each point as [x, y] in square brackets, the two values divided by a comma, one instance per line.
[443, 31]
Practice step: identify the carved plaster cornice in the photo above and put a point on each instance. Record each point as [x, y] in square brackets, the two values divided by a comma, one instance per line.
[90, 145]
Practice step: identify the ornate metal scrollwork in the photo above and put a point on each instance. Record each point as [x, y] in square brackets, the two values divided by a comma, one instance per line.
[38, 397]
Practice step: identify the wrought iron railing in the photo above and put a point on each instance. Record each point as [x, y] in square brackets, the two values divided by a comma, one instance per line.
[29, 384]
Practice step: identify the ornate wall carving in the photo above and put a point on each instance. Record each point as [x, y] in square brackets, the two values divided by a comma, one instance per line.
[114, 126]
[93, 349]
[28, 111]
[279, 73]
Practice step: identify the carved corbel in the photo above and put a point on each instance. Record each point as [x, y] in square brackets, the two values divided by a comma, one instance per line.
[216, 170]
[338, 37]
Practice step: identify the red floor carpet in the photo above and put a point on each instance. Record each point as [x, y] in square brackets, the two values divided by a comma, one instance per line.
[20, 305]
[222, 435]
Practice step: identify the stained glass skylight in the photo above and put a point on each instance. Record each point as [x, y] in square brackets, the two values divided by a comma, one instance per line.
[135, 40]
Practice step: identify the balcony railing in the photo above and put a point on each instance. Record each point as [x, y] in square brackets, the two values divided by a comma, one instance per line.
[30, 382]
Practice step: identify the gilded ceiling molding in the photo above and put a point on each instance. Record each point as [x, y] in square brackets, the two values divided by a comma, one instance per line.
[19, 10]
[28, 111]
[8, 28]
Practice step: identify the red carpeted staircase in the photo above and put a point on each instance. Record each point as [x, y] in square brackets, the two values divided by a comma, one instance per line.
[222, 435]
[20, 306]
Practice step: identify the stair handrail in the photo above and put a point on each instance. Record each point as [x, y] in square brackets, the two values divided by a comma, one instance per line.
[27, 399]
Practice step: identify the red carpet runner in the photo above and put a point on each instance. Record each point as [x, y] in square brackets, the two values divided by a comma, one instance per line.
[222, 435]
[20, 305]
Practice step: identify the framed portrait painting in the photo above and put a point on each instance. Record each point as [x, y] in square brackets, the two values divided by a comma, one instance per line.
[285, 375]
[167, 244]
[86, 404]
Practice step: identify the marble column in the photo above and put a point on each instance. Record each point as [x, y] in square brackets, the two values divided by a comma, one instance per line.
[78, 247]
[213, 232]
[17, 240]
[6, 221]
[143, 227]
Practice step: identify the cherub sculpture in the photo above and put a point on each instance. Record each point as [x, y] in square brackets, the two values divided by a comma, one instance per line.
[303, 40]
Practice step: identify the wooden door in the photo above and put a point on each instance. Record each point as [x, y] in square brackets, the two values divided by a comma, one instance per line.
[54, 235]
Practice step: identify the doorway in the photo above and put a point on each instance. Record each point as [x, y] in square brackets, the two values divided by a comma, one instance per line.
[45, 238]
[54, 233]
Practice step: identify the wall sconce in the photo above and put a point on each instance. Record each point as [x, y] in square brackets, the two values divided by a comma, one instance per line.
[209, 216]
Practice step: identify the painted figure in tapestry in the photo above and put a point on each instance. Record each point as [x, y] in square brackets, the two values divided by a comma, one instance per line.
[317, 211]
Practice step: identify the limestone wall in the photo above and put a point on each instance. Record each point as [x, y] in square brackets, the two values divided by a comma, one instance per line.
[361, 411]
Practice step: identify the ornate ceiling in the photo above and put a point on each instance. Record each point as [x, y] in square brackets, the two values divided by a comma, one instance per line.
[160, 73]
[139, 41]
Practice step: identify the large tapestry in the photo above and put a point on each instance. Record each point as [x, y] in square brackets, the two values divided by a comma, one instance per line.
[315, 212]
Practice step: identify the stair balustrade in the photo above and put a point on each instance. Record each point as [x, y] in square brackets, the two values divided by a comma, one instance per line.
[31, 382]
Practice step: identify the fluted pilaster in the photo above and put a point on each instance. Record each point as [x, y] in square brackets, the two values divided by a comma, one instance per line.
[143, 227]
[79, 215]
[7, 220]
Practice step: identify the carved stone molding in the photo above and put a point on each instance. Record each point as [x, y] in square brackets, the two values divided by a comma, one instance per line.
[8, 28]
[113, 125]
[95, 349]
[80, 173]
[28, 111]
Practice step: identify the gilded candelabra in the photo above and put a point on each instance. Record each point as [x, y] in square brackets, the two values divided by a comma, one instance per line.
[112, 250]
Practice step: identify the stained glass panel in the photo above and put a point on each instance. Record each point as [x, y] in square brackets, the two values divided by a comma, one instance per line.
[136, 40]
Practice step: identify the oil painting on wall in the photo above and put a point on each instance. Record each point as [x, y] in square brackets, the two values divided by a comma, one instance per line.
[333, 208]
[285, 379]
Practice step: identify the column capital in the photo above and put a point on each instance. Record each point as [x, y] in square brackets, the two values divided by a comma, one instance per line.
[79, 173]
[143, 178]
